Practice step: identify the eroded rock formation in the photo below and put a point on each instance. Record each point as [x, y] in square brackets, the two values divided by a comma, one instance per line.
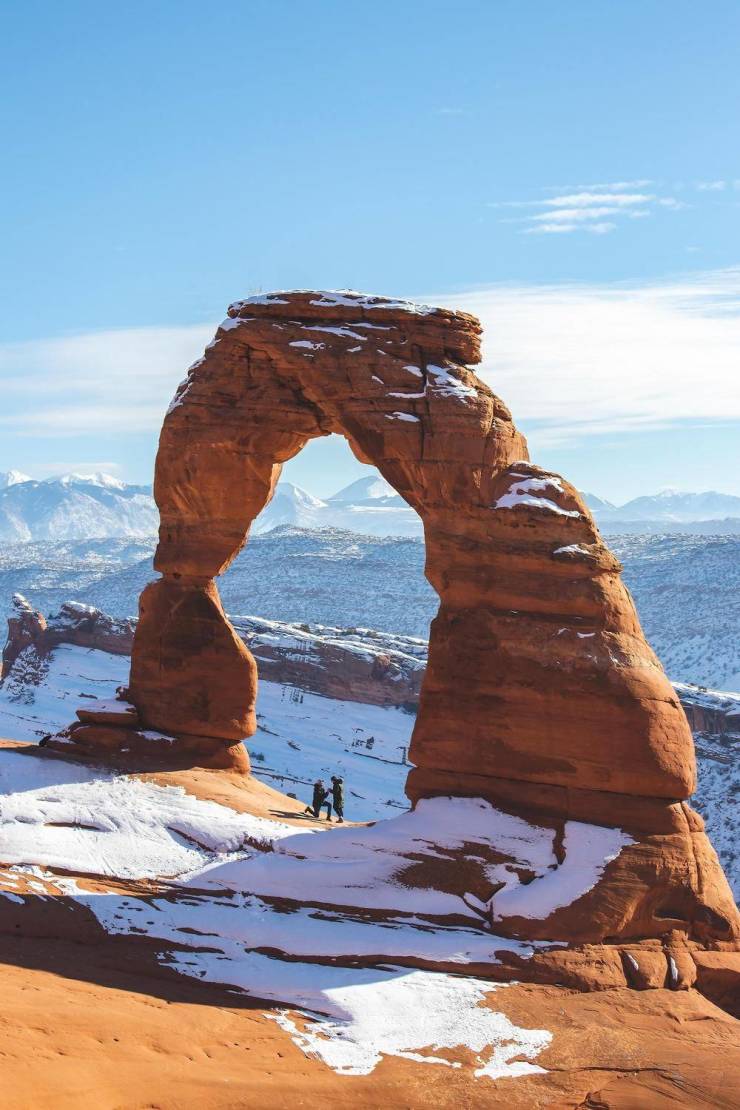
[351, 664]
[30, 633]
[26, 634]
[541, 695]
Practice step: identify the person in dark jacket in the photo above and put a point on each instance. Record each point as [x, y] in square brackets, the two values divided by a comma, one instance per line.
[337, 793]
[320, 795]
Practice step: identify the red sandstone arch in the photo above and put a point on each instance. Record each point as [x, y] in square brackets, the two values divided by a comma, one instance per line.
[541, 693]
[538, 669]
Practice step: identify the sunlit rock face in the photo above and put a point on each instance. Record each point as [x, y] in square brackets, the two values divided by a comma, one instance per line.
[541, 695]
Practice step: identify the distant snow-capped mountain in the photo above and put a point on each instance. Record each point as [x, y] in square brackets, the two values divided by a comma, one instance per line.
[369, 505]
[367, 491]
[291, 505]
[74, 507]
[670, 507]
[682, 507]
[107, 481]
[598, 505]
[12, 478]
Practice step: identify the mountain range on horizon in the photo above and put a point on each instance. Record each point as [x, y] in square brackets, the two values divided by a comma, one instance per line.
[73, 507]
[86, 506]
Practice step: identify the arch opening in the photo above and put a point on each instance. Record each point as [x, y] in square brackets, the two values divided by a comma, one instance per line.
[338, 621]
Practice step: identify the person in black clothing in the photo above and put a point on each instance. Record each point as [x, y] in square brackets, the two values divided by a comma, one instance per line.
[337, 793]
[320, 795]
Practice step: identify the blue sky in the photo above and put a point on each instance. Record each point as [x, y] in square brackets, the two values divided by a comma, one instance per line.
[571, 171]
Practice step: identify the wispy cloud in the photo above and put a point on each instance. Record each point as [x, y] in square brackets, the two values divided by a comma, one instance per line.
[587, 201]
[603, 186]
[566, 224]
[578, 361]
[109, 381]
[597, 209]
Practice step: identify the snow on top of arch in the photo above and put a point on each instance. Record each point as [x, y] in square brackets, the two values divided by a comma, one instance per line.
[334, 297]
[370, 301]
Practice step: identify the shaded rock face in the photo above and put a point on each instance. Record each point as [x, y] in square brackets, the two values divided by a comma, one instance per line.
[541, 693]
[78, 624]
[26, 634]
[352, 664]
[88, 627]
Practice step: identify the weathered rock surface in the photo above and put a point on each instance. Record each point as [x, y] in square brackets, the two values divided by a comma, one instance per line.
[352, 664]
[541, 693]
[26, 629]
[85, 1012]
[534, 624]
[88, 627]
[712, 711]
[75, 623]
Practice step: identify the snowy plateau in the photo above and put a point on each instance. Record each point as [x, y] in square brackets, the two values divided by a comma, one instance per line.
[686, 587]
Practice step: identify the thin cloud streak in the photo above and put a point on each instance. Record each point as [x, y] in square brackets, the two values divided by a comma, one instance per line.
[597, 209]
[118, 381]
[588, 200]
[573, 215]
[578, 361]
[602, 186]
[601, 228]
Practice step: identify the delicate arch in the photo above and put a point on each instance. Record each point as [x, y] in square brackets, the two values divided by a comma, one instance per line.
[541, 694]
[538, 670]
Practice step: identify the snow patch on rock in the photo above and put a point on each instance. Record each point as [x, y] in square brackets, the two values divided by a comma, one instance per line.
[528, 491]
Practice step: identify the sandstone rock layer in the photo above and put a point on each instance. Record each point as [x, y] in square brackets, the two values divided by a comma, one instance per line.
[541, 693]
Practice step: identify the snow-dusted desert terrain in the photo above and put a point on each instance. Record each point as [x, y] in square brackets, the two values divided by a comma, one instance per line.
[687, 588]
[301, 736]
[255, 904]
[687, 591]
[325, 926]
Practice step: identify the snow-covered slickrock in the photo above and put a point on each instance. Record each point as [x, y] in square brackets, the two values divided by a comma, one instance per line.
[353, 942]
[541, 696]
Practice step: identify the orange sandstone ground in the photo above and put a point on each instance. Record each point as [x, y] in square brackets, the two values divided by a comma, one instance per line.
[100, 1023]
[87, 1026]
